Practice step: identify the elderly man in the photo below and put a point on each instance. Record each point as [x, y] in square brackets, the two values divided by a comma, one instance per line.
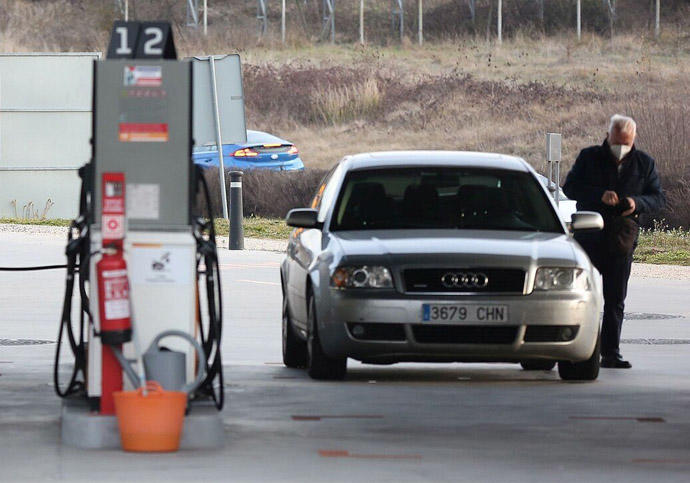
[620, 182]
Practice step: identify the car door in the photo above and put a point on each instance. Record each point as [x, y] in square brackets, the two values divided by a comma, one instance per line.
[302, 248]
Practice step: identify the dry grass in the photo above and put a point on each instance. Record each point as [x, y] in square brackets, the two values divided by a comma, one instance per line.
[456, 92]
[342, 104]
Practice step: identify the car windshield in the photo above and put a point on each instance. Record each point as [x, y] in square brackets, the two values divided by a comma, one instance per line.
[442, 198]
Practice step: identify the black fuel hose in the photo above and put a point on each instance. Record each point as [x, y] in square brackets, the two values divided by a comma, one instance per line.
[29, 269]
[210, 339]
[78, 257]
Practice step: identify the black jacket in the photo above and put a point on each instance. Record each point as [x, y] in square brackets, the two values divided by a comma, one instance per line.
[595, 171]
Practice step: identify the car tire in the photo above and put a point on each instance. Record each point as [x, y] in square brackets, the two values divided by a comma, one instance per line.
[294, 348]
[538, 365]
[319, 365]
[582, 371]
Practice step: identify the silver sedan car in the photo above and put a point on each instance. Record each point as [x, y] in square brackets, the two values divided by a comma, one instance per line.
[432, 256]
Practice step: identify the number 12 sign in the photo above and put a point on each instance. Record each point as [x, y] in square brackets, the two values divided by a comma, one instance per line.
[141, 40]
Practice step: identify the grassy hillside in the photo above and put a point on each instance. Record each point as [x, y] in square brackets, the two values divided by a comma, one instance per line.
[458, 91]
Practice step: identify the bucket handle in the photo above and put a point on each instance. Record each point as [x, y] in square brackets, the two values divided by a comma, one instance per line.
[201, 373]
[151, 387]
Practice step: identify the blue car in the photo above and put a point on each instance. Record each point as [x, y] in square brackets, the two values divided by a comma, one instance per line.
[261, 151]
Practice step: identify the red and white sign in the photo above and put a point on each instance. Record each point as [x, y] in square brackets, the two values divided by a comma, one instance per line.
[133, 132]
[143, 76]
[113, 209]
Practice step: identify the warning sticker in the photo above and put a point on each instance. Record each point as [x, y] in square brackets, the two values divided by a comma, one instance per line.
[143, 76]
[163, 264]
[113, 226]
[143, 201]
[133, 132]
[116, 296]
[117, 309]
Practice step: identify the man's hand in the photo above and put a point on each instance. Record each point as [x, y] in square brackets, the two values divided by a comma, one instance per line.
[610, 198]
[632, 208]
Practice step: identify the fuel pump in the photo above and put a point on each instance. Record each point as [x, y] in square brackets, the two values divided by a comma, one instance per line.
[142, 235]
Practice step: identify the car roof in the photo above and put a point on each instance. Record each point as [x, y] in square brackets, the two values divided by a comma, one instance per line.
[435, 158]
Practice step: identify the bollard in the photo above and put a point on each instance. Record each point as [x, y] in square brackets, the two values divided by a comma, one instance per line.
[236, 217]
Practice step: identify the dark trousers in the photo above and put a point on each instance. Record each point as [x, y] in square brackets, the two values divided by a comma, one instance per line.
[615, 271]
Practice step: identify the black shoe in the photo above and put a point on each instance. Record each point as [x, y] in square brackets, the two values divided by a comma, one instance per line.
[615, 362]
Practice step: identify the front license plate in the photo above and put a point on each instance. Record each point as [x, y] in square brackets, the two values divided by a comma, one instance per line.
[464, 313]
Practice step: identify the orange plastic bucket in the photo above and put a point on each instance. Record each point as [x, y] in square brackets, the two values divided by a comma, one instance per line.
[151, 423]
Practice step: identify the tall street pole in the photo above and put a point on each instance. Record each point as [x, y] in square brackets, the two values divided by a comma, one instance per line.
[205, 17]
[361, 21]
[282, 22]
[499, 22]
[579, 20]
[657, 19]
[420, 22]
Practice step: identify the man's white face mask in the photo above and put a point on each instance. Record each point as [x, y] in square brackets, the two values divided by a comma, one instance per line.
[620, 150]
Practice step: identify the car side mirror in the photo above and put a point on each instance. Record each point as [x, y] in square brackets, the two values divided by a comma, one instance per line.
[586, 221]
[303, 218]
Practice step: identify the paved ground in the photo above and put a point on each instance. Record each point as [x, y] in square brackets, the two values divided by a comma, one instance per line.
[408, 422]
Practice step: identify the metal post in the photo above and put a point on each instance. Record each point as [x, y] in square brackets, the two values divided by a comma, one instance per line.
[236, 241]
[219, 139]
[126, 10]
[262, 17]
[193, 13]
[398, 15]
[499, 22]
[332, 5]
[205, 17]
[282, 23]
[328, 7]
[657, 19]
[553, 158]
[579, 20]
[420, 22]
[361, 21]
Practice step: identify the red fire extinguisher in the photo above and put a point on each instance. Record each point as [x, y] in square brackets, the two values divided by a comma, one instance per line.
[113, 298]
[115, 326]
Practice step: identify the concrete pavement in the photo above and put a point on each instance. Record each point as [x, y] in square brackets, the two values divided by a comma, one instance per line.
[407, 422]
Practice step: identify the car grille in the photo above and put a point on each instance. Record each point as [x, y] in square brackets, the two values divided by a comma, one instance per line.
[503, 280]
[467, 334]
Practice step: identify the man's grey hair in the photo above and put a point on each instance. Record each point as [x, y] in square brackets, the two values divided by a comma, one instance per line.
[623, 124]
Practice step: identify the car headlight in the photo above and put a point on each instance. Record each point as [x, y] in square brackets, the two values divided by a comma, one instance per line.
[552, 278]
[364, 276]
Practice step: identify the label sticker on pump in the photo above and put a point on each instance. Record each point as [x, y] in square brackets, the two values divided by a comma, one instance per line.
[113, 208]
[143, 132]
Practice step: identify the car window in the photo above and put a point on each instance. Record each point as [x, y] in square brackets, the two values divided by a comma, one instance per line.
[318, 195]
[441, 197]
[259, 137]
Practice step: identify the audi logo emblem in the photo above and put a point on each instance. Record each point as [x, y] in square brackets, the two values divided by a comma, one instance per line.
[465, 280]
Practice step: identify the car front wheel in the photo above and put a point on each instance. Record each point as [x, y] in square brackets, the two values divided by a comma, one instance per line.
[582, 371]
[294, 348]
[319, 365]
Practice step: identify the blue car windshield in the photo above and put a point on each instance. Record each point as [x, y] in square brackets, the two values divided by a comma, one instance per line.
[443, 198]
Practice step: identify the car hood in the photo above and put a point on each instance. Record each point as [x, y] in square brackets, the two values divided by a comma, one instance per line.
[466, 247]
